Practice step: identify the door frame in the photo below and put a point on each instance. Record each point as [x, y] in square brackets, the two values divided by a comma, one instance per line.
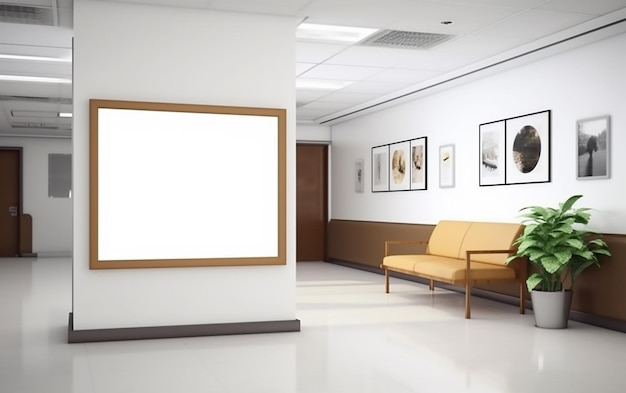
[20, 166]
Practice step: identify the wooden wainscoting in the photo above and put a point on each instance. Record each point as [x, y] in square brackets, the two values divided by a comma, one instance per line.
[598, 297]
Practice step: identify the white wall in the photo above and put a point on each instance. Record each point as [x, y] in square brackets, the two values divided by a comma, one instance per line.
[166, 54]
[312, 133]
[580, 83]
[52, 217]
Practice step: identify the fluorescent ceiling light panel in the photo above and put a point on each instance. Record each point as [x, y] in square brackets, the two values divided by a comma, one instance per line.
[321, 84]
[309, 31]
[65, 114]
[36, 79]
[35, 58]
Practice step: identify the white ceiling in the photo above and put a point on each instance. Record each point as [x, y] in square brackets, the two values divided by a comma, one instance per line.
[484, 32]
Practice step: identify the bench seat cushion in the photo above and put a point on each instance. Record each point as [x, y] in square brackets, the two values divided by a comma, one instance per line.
[448, 269]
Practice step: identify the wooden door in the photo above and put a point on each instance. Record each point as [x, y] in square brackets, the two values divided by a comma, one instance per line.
[312, 201]
[10, 174]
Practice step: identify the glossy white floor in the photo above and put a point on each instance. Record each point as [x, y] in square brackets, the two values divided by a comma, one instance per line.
[354, 338]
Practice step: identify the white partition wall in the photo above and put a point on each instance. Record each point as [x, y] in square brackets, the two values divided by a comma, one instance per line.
[184, 56]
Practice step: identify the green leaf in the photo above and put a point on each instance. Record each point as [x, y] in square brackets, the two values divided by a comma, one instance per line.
[565, 206]
[534, 280]
[551, 264]
[575, 243]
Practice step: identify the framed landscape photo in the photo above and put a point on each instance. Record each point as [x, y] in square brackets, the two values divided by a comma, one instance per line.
[528, 148]
[592, 158]
[399, 166]
[380, 168]
[418, 164]
[491, 143]
[446, 166]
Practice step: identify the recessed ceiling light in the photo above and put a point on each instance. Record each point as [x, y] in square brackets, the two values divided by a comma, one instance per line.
[321, 84]
[35, 58]
[36, 79]
[65, 114]
[310, 31]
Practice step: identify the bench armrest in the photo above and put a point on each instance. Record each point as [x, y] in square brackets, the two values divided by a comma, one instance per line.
[468, 257]
[389, 243]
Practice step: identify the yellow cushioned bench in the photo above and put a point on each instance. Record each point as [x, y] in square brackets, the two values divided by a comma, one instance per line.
[462, 253]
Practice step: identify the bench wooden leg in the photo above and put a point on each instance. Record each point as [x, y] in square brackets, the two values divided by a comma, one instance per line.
[522, 300]
[432, 285]
[386, 281]
[468, 296]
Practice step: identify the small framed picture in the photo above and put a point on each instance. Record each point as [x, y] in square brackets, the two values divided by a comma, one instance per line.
[419, 173]
[593, 147]
[380, 168]
[528, 148]
[491, 153]
[358, 175]
[398, 166]
[446, 166]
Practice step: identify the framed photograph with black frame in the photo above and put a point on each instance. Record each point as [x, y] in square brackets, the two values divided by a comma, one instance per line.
[593, 147]
[491, 144]
[380, 168]
[446, 166]
[398, 166]
[419, 174]
[528, 148]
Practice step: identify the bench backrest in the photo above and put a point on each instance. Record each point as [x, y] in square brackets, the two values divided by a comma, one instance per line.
[453, 238]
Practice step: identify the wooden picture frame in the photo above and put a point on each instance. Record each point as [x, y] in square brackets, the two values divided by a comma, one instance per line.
[169, 184]
[593, 148]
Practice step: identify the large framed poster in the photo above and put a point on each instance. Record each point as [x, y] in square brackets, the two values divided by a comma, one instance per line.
[175, 185]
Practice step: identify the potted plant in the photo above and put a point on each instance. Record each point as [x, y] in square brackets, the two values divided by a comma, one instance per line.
[557, 245]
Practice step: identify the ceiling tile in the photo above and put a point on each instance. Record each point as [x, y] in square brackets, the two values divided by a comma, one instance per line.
[372, 88]
[303, 67]
[308, 95]
[465, 18]
[401, 76]
[308, 52]
[595, 7]
[354, 13]
[351, 98]
[337, 72]
[373, 56]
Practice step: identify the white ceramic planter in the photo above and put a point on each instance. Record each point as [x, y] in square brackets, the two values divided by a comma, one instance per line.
[551, 309]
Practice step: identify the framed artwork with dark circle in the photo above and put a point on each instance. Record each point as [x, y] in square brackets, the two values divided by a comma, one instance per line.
[593, 147]
[528, 148]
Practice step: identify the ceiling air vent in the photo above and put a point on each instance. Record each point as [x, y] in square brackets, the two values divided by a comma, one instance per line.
[39, 126]
[28, 14]
[50, 100]
[405, 39]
